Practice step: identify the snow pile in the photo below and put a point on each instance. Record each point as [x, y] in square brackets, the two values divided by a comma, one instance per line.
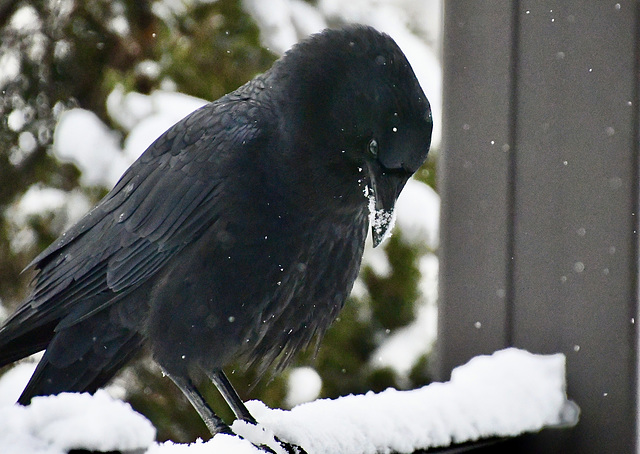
[221, 444]
[52, 425]
[505, 394]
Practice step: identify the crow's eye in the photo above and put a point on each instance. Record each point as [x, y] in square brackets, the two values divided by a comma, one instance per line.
[373, 147]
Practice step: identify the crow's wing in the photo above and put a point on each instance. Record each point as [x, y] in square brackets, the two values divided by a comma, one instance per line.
[163, 202]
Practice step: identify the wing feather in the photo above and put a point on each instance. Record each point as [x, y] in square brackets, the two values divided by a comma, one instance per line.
[164, 201]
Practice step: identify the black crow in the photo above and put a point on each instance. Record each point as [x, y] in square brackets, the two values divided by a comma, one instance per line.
[238, 234]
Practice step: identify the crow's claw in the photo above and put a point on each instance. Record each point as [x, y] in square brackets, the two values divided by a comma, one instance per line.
[288, 447]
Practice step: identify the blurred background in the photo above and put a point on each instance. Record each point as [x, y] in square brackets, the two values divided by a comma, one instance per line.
[87, 85]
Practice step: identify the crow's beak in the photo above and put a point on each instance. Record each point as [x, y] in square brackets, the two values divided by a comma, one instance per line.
[386, 187]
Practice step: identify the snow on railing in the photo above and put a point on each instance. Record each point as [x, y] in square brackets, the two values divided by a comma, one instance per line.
[502, 395]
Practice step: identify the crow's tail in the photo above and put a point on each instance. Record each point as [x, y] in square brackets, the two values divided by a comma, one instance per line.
[79, 358]
[15, 346]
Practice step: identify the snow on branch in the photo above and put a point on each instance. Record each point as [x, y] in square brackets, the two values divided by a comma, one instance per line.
[505, 394]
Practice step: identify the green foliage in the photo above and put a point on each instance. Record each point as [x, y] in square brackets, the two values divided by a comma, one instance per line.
[393, 296]
[427, 173]
[213, 55]
[205, 49]
[420, 374]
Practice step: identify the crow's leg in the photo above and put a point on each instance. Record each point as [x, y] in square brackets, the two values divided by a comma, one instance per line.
[223, 384]
[213, 421]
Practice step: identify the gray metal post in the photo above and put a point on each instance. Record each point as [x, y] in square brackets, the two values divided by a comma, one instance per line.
[539, 182]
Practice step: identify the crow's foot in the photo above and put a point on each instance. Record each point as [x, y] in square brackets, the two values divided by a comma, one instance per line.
[289, 448]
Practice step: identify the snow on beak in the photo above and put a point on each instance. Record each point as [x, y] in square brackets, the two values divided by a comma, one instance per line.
[385, 189]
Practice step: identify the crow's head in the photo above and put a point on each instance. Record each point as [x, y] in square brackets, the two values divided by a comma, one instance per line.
[356, 97]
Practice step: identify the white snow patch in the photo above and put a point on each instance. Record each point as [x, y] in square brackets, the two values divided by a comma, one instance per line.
[359, 289]
[27, 142]
[65, 208]
[428, 285]
[382, 222]
[16, 119]
[35, 200]
[9, 66]
[146, 117]
[504, 394]
[26, 20]
[258, 435]
[149, 68]
[13, 382]
[418, 213]
[82, 138]
[119, 25]
[402, 349]
[129, 109]
[283, 23]
[304, 385]
[377, 259]
[73, 421]
[219, 444]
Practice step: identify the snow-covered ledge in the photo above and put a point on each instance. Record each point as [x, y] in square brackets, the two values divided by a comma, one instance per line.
[505, 394]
